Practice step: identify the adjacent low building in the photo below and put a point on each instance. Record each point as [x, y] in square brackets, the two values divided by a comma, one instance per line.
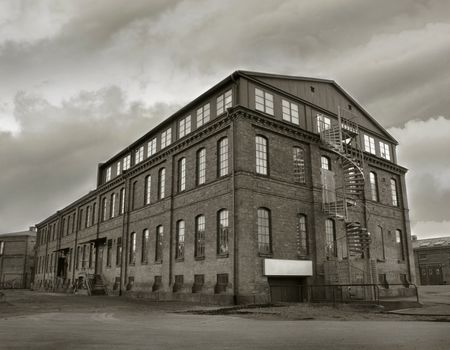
[263, 185]
[17, 258]
[432, 260]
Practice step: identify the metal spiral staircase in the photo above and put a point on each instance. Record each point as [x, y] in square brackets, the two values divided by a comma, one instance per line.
[342, 139]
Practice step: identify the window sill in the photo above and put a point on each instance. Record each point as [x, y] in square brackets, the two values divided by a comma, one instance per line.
[220, 256]
[199, 258]
[159, 262]
[179, 259]
[265, 255]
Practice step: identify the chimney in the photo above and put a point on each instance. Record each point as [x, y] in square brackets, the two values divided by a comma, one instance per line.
[33, 229]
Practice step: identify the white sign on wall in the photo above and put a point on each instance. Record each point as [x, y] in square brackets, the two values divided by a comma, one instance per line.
[280, 267]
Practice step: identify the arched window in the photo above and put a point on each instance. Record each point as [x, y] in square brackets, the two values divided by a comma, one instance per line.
[181, 174]
[325, 163]
[201, 166]
[330, 238]
[179, 253]
[132, 248]
[264, 231]
[200, 236]
[394, 193]
[159, 243]
[145, 243]
[373, 186]
[222, 157]
[261, 155]
[162, 183]
[222, 232]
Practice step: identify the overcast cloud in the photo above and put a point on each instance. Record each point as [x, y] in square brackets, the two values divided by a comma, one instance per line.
[79, 80]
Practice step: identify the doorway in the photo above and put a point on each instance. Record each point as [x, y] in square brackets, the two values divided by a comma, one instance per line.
[287, 289]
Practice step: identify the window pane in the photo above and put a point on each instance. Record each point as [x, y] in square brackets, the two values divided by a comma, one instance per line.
[223, 157]
[222, 234]
[261, 155]
[263, 223]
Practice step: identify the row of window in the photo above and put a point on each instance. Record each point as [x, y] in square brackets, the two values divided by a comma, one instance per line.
[184, 127]
[374, 193]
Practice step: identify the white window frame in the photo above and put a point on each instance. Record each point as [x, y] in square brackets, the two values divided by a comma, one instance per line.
[182, 174]
[369, 144]
[148, 189]
[119, 167]
[203, 115]
[108, 174]
[224, 101]
[323, 122]
[385, 150]
[184, 126]
[166, 138]
[139, 155]
[394, 193]
[151, 147]
[290, 111]
[127, 162]
[263, 101]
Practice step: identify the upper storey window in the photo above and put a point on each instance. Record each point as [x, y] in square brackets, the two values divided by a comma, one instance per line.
[184, 126]
[323, 123]
[222, 159]
[166, 138]
[369, 144]
[385, 150]
[108, 174]
[119, 168]
[290, 112]
[263, 101]
[139, 155]
[203, 114]
[127, 162]
[151, 147]
[261, 155]
[224, 101]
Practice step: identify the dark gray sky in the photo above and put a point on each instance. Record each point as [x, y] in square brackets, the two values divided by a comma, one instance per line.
[79, 80]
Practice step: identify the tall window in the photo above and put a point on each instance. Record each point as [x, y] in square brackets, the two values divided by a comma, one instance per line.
[133, 195]
[2, 247]
[184, 126]
[122, 201]
[119, 168]
[224, 101]
[302, 236]
[222, 232]
[330, 236]
[159, 243]
[139, 155]
[222, 159]
[203, 115]
[385, 150]
[323, 123]
[113, 205]
[148, 187]
[151, 147]
[132, 248]
[201, 166]
[399, 242]
[166, 138]
[104, 209]
[109, 253]
[263, 101]
[261, 155]
[119, 252]
[369, 144]
[298, 159]
[145, 243]
[94, 209]
[108, 174]
[264, 235]
[88, 216]
[200, 236]
[162, 183]
[179, 253]
[325, 163]
[373, 186]
[380, 238]
[127, 162]
[290, 111]
[181, 174]
[394, 196]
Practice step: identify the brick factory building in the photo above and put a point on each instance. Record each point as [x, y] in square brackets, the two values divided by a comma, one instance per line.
[262, 184]
[17, 258]
[432, 260]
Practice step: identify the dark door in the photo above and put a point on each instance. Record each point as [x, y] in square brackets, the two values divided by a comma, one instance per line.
[286, 289]
[99, 260]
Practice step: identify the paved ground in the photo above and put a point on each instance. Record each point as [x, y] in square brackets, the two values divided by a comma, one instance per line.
[31, 320]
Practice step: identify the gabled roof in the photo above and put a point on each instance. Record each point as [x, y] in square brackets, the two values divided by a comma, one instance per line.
[326, 81]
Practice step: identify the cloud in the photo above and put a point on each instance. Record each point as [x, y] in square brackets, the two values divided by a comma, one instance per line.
[53, 160]
[424, 149]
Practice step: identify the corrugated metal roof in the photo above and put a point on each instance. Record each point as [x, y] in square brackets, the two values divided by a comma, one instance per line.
[432, 242]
